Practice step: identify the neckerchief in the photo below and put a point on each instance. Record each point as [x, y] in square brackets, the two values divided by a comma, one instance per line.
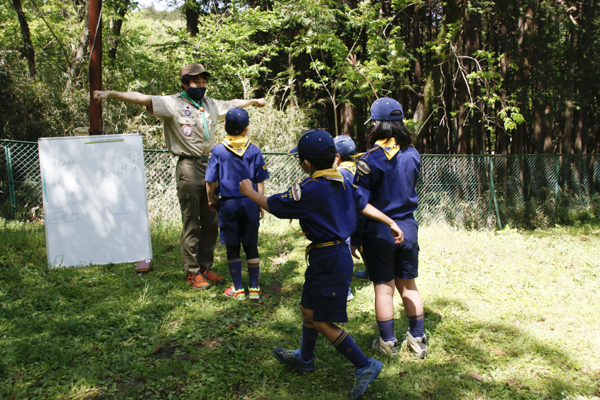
[331, 174]
[237, 144]
[201, 109]
[349, 165]
[389, 147]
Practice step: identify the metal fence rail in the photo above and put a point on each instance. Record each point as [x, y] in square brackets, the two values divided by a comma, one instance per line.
[466, 191]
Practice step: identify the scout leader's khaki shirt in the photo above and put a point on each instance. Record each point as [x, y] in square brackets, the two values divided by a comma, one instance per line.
[183, 125]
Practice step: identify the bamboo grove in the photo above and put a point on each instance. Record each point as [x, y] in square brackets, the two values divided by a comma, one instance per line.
[474, 77]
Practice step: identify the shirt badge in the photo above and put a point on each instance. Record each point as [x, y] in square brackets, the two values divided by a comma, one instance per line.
[296, 192]
[363, 167]
[187, 113]
[186, 130]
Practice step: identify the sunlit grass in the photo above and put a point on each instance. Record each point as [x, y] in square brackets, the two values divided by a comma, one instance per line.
[509, 315]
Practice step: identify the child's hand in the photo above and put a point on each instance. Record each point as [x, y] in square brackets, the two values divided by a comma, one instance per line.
[246, 187]
[354, 254]
[262, 213]
[397, 233]
[213, 205]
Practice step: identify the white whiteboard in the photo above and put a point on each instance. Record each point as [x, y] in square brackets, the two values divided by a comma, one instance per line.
[95, 203]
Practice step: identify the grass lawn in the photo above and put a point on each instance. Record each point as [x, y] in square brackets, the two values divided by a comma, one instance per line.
[509, 315]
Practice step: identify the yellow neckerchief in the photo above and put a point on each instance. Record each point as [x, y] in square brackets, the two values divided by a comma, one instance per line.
[349, 165]
[237, 144]
[389, 147]
[331, 174]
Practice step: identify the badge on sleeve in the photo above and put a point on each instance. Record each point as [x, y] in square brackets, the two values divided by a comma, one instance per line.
[186, 130]
[296, 192]
[363, 167]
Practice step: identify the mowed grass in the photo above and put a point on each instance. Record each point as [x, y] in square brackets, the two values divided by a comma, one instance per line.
[509, 315]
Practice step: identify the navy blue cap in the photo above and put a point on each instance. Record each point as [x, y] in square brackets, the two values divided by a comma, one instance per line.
[237, 118]
[313, 143]
[382, 108]
[344, 145]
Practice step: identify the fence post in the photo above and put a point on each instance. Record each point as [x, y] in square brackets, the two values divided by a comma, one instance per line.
[11, 183]
[493, 192]
[556, 187]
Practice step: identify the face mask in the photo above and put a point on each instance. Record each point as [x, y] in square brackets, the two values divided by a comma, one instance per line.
[196, 93]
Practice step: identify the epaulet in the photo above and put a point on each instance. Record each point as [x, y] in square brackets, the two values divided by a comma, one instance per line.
[304, 182]
[376, 147]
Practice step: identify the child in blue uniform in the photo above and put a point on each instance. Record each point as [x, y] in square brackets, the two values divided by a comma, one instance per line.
[327, 207]
[230, 162]
[346, 148]
[389, 171]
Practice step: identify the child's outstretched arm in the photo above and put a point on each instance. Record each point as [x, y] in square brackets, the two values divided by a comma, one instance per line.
[260, 187]
[377, 215]
[247, 190]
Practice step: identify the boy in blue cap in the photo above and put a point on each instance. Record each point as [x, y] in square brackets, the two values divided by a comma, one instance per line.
[229, 162]
[346, 149]
[389, 172]
[327, 207]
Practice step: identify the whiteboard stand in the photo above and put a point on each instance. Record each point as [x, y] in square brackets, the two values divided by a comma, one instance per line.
[95, 201]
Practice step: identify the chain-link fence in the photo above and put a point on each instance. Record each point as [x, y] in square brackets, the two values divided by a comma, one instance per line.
[466, 191]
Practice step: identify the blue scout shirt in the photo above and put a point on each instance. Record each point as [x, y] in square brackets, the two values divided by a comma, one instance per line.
[232, 161]
[348, 169]
[390, 175]
[326, 205]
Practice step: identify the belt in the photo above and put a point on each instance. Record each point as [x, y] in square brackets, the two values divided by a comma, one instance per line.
[319, 245]
[203, 159]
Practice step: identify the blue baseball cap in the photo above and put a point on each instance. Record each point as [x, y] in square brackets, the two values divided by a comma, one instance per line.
[344, 145]
[313, 143]
[237, 118]
[382, 108]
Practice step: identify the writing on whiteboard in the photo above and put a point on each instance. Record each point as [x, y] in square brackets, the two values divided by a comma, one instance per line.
[64, 217]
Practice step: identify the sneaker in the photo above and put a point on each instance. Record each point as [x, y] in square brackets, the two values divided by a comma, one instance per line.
[388, 348]
[350, 295]
[418, 346]
[362, 275]
[235, 294]
[294, 359]
[197, 281]
[364, 377]
[210, 275]
[254, 293]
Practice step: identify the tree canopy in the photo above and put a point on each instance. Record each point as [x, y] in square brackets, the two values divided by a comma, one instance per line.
[474, 77]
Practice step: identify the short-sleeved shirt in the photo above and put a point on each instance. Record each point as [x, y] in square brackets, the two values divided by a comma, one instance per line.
[391, 182]
[184, 126]
[327, 209]
[230, 169]
[348, 169]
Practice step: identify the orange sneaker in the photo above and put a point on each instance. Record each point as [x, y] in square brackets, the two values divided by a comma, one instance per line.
[210, 276]
[197, 281]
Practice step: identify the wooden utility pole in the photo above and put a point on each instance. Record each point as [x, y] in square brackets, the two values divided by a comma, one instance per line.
[95, 19]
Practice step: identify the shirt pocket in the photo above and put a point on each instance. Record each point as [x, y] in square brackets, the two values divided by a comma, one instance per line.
[186, 120]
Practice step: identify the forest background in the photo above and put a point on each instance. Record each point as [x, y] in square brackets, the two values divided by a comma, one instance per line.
[474, 77]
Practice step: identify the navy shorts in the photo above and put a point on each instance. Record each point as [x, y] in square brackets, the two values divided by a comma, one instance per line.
[385, 260]
[239, 219]
[326, 284]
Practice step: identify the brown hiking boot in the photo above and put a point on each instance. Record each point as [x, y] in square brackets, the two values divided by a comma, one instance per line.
[197, 281]
[210, 276]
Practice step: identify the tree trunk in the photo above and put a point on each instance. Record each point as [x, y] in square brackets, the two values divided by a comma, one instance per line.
[347, 119]
[115, 27]
[81, 52]
[27, 50]
[191, 17]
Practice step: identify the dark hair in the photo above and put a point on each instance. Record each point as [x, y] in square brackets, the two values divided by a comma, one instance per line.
[188, 78]
[346, 158]
[234, 130]
[326, 161]
[390, 129]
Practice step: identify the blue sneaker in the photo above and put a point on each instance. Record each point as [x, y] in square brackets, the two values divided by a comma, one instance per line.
[364, 377]
[294, 359]
[362, 275]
